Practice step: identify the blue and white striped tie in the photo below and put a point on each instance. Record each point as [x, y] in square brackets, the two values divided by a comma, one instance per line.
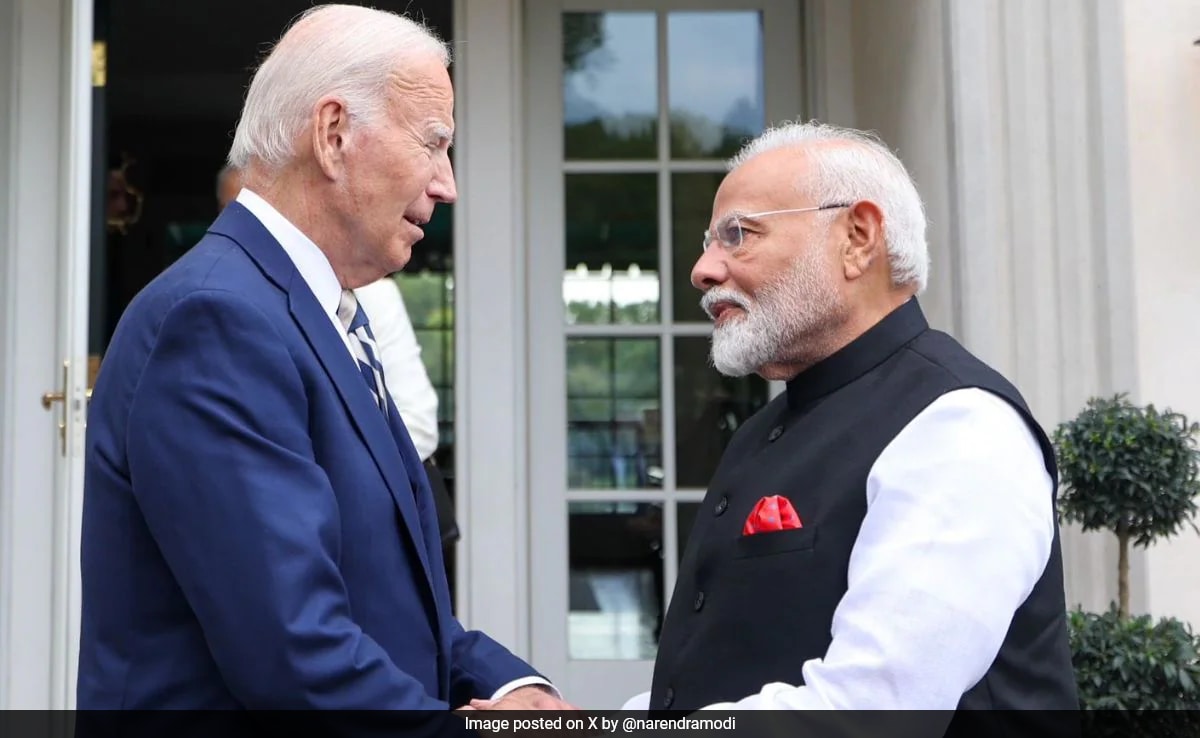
[362, 341]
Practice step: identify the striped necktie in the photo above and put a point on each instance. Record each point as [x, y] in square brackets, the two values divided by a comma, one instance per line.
[362, 341]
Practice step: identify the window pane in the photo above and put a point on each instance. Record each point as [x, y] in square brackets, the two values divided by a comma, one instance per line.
[610, 90]
[614, 437]
[427, 285]
[612, 248]
[715, 81]
[709, 408]
[616, 580]
[691, 209]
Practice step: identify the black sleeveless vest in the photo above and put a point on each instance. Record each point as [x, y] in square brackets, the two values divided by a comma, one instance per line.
[751, 610]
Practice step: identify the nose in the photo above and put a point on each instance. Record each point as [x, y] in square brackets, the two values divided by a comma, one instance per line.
[442, 187]
[710, 269]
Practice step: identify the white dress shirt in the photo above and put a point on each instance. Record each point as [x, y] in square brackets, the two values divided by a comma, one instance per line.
[403, 370]
[958, 530]
[314, 267]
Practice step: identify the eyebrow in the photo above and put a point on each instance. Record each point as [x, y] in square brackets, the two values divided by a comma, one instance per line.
[742, 216]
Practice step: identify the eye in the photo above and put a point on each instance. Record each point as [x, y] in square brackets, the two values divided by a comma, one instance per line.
[729, 232]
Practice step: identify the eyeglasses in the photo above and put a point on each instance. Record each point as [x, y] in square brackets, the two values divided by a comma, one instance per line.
[728, 231]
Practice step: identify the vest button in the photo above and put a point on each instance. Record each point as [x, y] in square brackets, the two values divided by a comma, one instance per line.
[776, 432]
[699, 601]
[721, 505]
[668, 697]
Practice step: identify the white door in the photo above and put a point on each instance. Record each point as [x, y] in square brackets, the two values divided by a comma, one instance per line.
[633, 108]
[45, 181]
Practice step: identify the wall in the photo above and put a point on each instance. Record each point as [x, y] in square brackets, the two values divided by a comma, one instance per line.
[900, 93]
[1163, 86]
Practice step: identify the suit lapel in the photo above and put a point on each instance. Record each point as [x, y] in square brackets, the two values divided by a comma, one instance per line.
[239, 224]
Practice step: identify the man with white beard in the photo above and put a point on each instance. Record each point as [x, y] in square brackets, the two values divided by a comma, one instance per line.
[882, 535]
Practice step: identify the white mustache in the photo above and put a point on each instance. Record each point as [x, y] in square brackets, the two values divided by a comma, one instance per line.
[723, 294]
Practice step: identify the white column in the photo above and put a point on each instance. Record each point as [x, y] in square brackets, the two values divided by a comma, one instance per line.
[1045, 240]
[899, 92]
[490, 339]
[1162, 79]
[1008, 116]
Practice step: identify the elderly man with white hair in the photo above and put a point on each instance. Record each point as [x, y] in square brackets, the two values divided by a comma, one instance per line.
[258, 531]
[882, 534]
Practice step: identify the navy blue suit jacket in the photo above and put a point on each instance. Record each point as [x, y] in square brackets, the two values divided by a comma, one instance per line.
[255, 533]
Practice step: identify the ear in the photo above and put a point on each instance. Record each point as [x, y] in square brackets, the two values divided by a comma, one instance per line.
[331, 127]
[865, 245]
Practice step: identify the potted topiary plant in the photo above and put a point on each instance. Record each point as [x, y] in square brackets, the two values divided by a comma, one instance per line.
[1134, 471]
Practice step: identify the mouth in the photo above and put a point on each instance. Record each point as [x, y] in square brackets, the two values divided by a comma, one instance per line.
[418, 222]
[722, 312]
[723, 305]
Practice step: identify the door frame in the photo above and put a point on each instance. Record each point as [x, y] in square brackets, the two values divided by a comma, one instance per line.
[44, 242]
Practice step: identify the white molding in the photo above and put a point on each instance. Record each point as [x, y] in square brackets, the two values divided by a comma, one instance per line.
[547, 379]
[634, 330]
[30, 438]
[646, 165]
[490, 368]
[74, 286]
[8, 151]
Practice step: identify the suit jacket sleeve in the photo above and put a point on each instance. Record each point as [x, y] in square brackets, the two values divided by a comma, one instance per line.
[224, 473]
[480, 667]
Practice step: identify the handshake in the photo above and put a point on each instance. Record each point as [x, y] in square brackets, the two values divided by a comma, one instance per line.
[532, 697]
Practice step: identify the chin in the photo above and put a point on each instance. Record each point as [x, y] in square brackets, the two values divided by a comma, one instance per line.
[399, 256]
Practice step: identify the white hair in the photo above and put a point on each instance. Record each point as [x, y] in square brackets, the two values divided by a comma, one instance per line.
[348, 51]
[865, 169]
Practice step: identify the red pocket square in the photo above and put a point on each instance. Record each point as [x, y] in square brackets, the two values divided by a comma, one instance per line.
[770, 514]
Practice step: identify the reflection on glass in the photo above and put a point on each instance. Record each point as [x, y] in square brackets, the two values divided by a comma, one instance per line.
[610, 92]
[691, 209]
[715, 71]
[709, 408]
[685, 518]
[613, 413]
[616, 580]
[612, 248]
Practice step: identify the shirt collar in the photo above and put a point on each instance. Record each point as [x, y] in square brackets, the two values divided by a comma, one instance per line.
[310, 261]
[858, 357]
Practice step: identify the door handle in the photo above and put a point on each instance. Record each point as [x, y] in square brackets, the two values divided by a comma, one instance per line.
[49, 398]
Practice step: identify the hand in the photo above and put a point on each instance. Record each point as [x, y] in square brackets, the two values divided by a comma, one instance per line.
[523, 698]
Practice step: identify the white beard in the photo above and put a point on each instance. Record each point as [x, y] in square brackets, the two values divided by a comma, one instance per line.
[773, 327]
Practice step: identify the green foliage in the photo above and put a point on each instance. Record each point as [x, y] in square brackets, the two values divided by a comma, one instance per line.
[1134, 664]
[583, 34]
[1128, 469]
